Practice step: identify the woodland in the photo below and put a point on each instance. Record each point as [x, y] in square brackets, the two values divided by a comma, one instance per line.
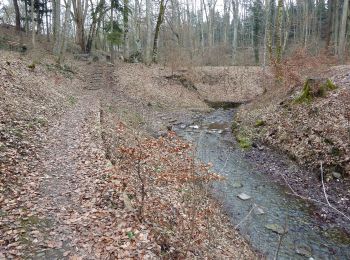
[174, 129]
[212, 32]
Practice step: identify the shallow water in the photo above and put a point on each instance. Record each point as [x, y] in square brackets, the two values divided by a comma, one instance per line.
[216, 144]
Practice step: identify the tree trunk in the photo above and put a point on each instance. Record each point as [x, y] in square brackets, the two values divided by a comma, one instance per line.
[33, 23]
[149, 31]
[267, 40]
[157, 30]
[126, 30]
[18, 16]
[342, 33]
[329, 23]
[279, 31]
[336, 26]
[56, 6]
[26, 18]
[226, 21]
[235, 6]
[80, 8]
[62, 41]
[47, 22]
[111, 46]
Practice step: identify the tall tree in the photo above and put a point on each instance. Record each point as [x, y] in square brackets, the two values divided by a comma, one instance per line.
[279, 31]
[148, 58]
[33, 22]
[18, 16]
[160, 19]
[257, 14]
[56, 14]
[80, 8]
[342, 33]
[126, 29]
[235, 8]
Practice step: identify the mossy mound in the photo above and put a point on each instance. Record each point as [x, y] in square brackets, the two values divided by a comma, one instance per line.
[314, 88]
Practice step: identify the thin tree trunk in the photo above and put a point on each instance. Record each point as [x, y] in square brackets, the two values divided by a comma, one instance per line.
[235, 6]
[342, 33]
[26, 18]
[18, 16]
[149, 31]
[157, 30]
[47, 22]
[329, 23]
[226, 20]
[33, 23]
[126, 30]
[267, 33]
[279, 32]
[62, 43]
[336, 26]
[111, 47]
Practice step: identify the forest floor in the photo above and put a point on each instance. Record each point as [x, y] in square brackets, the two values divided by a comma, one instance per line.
[67, 191]
[68, 186]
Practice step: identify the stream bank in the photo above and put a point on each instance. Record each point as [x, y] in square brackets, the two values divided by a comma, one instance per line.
[260, 207]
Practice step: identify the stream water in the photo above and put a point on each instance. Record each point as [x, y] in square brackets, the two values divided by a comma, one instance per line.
[266, 211]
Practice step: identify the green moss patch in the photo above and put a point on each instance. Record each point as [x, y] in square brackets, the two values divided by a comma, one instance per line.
[259, 123]
[244, 141]
[314, 88]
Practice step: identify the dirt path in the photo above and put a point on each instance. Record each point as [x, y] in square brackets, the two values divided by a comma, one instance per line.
[72, 161]
[71, 158]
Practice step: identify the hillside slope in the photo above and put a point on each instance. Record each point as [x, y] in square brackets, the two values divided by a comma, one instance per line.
[67, 185]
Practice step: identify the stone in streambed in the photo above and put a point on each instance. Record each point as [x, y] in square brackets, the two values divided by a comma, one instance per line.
[336, 175]
[276, 228]
[259, 211]
[303, 250]
[244, 196]
[237, 185]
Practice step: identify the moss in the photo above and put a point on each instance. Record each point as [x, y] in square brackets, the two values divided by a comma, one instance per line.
[31, 66]
[330, 85]
[259, 123]
[244, 141]
[305, 96]
[335, 151]
[328, 141]
[72, 100]
[234, 126]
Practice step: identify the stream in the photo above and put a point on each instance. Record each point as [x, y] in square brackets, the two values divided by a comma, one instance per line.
[260, 207]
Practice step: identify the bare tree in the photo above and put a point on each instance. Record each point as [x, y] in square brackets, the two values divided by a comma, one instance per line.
[18, 16]
[149, 30]
[342, 33]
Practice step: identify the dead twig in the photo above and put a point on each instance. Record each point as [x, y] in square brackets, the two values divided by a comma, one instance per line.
[249, 213]
[323, 187]
[314, 200]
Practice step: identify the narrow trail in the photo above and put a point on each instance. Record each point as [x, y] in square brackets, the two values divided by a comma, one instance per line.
[73, 159]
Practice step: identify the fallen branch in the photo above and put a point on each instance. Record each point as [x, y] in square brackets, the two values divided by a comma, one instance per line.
[314, 200]
[250, 212]
[323, 187]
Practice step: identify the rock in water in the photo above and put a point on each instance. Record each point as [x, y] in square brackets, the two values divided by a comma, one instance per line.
[236, 185]
[336, 175]
[258, 211]
[303, 250]
[244, 196]
[276, 228]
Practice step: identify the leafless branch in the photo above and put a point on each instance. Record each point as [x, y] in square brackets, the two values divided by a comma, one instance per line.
[314, 200]
[323, 187]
